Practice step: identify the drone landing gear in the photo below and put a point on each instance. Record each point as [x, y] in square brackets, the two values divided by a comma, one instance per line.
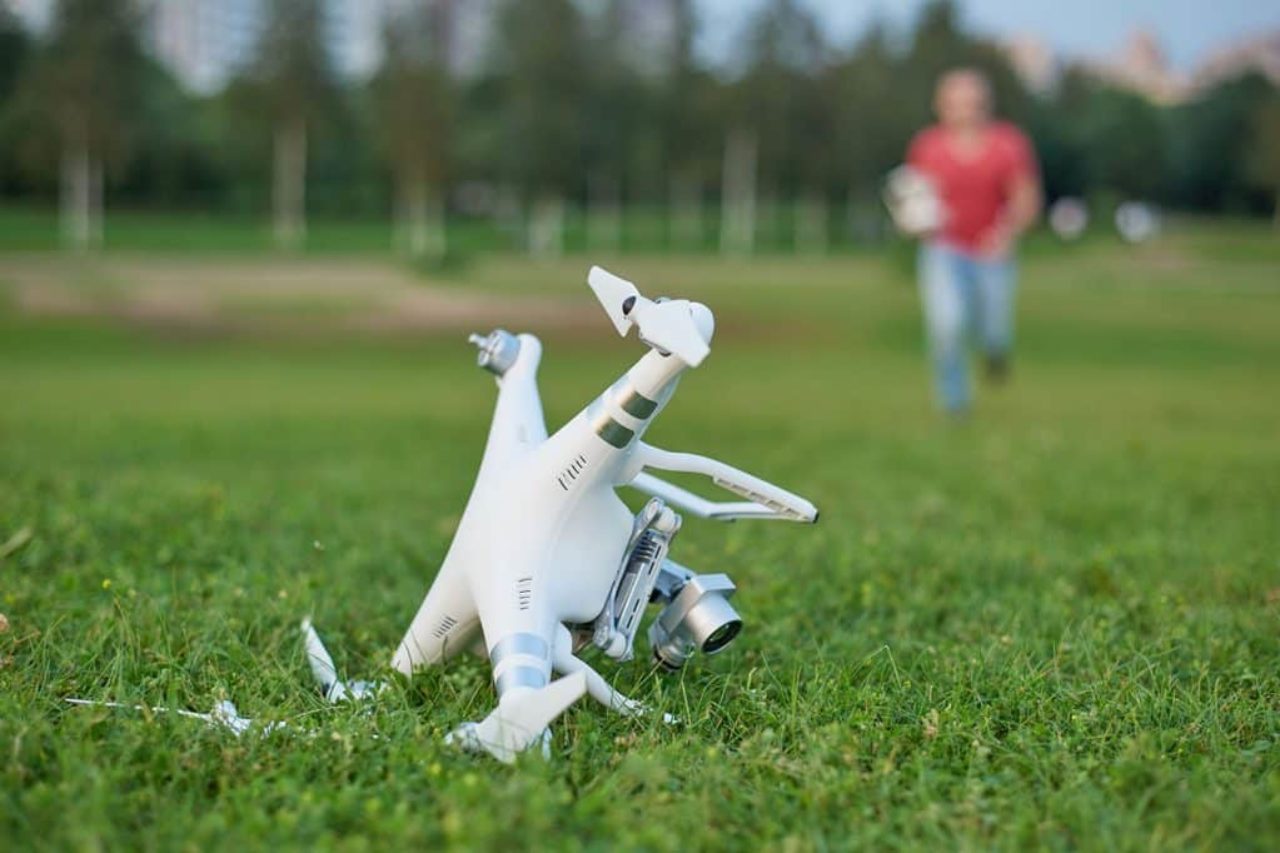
[565, 661]
[520, 720]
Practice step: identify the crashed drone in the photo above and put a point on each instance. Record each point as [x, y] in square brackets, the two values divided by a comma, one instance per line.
[548, 560]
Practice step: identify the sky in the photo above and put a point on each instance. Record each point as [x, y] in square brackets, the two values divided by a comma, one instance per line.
[1186, 29]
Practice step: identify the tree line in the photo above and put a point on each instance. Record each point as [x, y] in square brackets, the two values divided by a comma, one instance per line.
[568, 109]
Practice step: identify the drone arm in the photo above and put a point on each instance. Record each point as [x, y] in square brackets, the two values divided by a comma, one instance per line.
[764, 500]
[518, 422]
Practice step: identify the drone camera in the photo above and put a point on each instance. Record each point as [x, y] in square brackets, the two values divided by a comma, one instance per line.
[698, 616]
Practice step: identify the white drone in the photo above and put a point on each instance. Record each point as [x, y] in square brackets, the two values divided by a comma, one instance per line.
[914, 202]
[547, 559]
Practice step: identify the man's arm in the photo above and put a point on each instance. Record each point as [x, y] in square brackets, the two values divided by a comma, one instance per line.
[1022, 208]
[1025, 201]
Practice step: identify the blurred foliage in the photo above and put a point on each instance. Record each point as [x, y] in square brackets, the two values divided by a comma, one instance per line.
[1212, 143]
[79, 91]
[565, 101]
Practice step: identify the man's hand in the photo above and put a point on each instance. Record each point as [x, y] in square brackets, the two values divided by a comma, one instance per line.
[997, 244]
[1019, 214]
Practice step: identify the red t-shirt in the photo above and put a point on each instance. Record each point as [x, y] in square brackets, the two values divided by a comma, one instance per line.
[974, 188]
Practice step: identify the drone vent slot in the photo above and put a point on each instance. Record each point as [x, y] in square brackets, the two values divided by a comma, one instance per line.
[524, 592]
[568, 475]
[446, 625]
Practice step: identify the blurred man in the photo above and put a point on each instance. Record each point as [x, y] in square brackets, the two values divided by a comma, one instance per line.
[985, 175]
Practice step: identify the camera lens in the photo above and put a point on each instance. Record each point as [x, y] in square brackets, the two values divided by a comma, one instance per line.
[711, 623]
[721, 637]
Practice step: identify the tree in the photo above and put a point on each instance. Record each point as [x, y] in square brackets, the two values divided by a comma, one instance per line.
[1126, 145]
[291, 82]
[614, 121]
[415, 101]
[687, 132]
[870, 126]
[540, 65]
[1059, 126]
[778, 128]
[1263, 160]
[940, 44]
[80, 94]
[1210, 139]
[14, 50]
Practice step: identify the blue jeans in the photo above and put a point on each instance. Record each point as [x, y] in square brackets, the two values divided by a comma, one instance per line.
[965, 298]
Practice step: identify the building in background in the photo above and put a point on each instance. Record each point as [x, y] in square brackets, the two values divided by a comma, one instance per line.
[1034, 61]
[1260, 55]
[1142, 67]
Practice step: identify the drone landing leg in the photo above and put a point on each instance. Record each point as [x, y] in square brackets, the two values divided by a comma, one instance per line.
[599, 689]
[564, 661]
[520, 720]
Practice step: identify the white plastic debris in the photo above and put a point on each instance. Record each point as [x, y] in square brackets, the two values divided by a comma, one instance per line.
[224, 715]
[326, 674]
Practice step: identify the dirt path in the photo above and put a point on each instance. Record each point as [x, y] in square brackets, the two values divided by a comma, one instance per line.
[269, 295]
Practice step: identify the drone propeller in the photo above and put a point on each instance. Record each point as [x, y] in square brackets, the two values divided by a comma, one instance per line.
[677, 326]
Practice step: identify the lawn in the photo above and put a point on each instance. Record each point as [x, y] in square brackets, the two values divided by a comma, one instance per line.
[1054, 625]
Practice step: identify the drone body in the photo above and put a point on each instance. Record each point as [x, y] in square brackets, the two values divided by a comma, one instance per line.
[548, 558]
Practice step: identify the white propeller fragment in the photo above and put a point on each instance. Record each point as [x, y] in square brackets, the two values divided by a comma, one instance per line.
[223, 716]
[676, 326]
[326, 673]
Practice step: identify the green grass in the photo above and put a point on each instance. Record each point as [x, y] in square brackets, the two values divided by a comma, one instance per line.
[1055, 625]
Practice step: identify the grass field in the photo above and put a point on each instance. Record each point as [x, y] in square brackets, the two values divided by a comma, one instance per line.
[1055, 625]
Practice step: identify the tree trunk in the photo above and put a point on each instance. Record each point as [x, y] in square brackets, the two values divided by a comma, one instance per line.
[435, 227]
[738, 195]
[546, 228]
[604, 215]
[1276, 216]
[686, 212]
[95, 202]
[420, 226]
[864, 216]
[811, 225]
[399, 216]
[290, 184]
[508, 214]
[767, 229]
[75, 208]
[411, 194]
